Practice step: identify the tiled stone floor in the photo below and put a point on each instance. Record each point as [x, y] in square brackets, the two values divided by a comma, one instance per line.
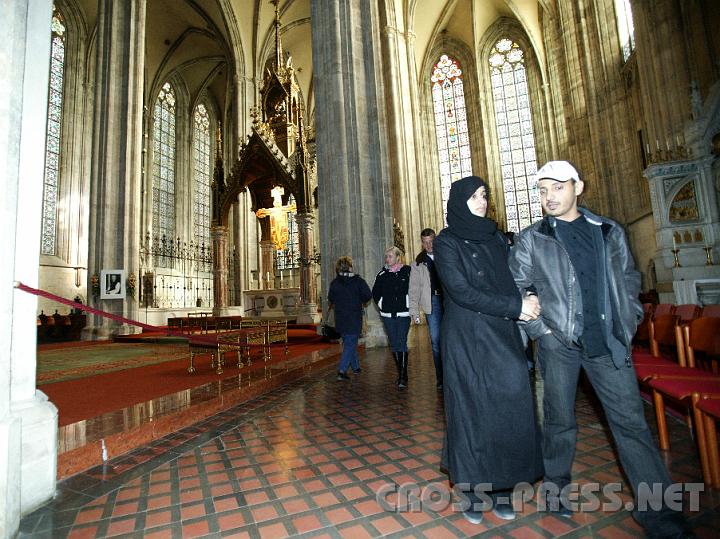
[307, 460]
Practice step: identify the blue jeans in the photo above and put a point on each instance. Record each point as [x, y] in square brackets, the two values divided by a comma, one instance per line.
[349, 353]
[433, 322]
[618, 392]
[397, 331]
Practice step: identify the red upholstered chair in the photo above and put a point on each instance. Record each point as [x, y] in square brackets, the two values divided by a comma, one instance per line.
[688, 386]
[711, 311]
[664, 308]
[666, 340]
[669, 357]
[687, 312]
[703, 343]
[689, 392]
[642, 334]
[709, 408]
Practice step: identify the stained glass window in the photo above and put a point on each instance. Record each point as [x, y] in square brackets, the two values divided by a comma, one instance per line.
[513, 120]
[626, 28]
[164, 163]
[51, 175]
[451, 128]
[201, 151]
[288, 258]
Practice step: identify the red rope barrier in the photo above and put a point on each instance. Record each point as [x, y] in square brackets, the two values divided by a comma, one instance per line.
[105, 314]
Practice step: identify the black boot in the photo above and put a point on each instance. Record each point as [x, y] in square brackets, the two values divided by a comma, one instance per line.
[403, 370]
[396, 357]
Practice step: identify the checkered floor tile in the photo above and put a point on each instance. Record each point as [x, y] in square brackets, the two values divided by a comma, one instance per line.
[328, 458]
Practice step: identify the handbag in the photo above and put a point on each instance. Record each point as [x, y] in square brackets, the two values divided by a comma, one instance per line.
[328, 326]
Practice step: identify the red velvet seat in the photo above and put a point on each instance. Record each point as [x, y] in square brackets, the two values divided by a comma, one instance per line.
[645, 372]
[711, 311]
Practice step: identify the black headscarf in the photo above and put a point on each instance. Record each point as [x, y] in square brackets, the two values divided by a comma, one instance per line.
[461, 221]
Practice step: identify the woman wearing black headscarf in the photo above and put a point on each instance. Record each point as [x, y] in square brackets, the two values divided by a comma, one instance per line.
[492, 436]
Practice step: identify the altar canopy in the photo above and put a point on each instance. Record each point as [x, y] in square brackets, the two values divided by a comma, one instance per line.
[272, 163]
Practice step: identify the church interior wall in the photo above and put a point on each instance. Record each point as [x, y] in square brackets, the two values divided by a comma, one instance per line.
[587, 105]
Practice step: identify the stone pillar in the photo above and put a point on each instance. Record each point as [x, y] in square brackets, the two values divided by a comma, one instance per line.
[403, 124]
[355, 206]
[267, 263]
[239, 260]
[28, 423]
[115, 190]
[307, 313]
[219, 237]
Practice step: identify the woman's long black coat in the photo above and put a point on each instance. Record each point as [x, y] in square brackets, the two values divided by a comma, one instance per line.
[492, 434]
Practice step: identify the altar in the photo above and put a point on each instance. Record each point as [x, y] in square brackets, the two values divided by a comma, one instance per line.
[272, 302]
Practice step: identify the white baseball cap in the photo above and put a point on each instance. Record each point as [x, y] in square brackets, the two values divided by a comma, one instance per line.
[560, 171]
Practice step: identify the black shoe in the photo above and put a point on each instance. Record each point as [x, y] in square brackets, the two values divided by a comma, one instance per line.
[357, 371]
[396, 357]
[342, 376]
[403, 370]
[504, 511]
[473, 517]
[556, 507]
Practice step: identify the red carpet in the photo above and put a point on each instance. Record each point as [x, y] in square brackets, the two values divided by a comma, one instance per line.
[84, 398]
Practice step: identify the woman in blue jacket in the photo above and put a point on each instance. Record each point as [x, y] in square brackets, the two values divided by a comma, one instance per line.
[390, 292]
[347, 295]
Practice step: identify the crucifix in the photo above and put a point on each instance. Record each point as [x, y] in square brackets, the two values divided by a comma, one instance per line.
[278, 218]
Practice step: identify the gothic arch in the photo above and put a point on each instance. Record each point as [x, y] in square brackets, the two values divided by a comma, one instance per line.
[183, 153]
[430, 195]
[73, 178]
[506, 27]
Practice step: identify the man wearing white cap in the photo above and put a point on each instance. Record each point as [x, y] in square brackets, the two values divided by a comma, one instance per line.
[582, 270]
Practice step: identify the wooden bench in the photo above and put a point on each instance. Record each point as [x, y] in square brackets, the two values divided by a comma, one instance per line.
[218, 345]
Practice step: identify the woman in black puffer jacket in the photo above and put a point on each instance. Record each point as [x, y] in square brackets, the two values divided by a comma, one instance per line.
[347, 295]
[390, 292]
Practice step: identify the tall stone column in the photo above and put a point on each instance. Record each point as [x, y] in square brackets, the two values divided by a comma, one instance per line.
[28, 422]
[353, 178]
[239, 260]
[267, 263]
[115, 190]
[403, 113]
[219, 237]
[307, 313]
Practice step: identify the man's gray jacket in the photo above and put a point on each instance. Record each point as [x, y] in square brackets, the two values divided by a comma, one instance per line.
[540, 264]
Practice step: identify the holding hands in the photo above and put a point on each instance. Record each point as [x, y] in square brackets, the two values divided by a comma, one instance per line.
[530, 308]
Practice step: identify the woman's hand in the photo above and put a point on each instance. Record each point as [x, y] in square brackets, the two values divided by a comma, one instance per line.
[530, 308]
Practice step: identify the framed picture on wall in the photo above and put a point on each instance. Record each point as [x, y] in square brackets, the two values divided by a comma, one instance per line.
[112, 284]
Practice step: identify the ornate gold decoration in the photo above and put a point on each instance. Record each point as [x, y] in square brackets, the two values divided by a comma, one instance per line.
[95, 285]
[278, 218]
[131, 285]
[684, 206]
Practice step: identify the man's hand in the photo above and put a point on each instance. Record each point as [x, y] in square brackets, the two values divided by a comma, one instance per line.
[530, 308]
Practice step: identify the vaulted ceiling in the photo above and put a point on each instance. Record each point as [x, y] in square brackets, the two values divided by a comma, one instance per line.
[205, 41]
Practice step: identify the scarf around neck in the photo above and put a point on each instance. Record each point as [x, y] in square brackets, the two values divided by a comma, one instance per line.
[461, 221]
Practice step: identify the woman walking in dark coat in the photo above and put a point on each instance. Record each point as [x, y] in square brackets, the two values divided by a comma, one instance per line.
[390, 292]
[492, 434]
[347, 295]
